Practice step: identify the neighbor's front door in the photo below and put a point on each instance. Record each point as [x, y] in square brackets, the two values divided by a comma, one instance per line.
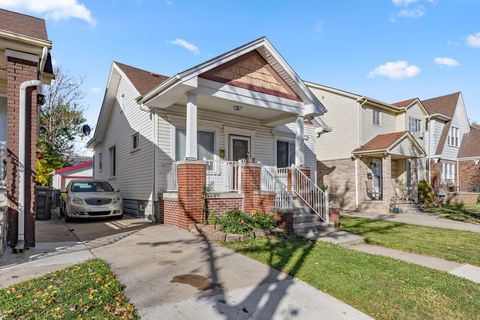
[377, 179]
[239, 148]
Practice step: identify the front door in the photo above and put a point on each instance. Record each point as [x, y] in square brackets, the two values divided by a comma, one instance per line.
[377, 179]
[239, 148]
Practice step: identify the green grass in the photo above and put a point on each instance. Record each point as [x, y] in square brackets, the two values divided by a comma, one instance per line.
[84, 291]
[381, 287]
[458, 211]
[459, 246]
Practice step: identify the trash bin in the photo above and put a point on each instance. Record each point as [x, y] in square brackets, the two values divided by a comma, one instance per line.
[44, 202]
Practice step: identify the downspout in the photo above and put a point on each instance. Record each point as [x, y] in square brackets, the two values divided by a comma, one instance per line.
[21, 162]
[20, 246]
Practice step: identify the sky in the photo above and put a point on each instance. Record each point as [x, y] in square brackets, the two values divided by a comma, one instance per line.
[390, 50]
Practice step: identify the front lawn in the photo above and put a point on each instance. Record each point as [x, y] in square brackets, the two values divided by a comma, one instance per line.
[458, 211]
[381, 287]
[454, 245]
[84, 291]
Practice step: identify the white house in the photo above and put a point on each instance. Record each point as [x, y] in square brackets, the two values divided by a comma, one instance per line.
[62, 177]
[246, 104]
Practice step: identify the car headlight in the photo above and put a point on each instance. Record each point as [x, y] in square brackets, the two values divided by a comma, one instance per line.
[77, 201]
[117, 199]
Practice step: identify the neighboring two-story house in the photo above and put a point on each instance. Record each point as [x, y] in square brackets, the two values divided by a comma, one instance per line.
[25, 64]
[469, 166]
[447, 125]
[236, 123]
[375, 155]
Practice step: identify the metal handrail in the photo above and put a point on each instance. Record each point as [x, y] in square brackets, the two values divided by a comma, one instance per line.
[3, 165]
[270, 182]
[310, 194]
[224, 176]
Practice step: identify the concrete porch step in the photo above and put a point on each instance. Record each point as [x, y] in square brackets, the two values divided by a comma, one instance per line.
[312, 226]
[305, 217]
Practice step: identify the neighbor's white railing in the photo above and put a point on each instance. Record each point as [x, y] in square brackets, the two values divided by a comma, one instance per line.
[224, 176]
[310, 193]
[3, 164]
[269, 181]
[172, 183]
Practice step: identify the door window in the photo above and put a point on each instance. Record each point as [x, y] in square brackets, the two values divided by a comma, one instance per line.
[239, 148]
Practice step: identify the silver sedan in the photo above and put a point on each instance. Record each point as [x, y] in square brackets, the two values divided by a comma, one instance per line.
[91, 198]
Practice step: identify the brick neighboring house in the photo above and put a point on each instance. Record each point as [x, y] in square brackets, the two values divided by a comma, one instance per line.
[469, 166]
[242, 123]
[25, 64]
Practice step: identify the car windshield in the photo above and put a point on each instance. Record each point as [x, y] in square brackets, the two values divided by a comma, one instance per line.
[91, 186]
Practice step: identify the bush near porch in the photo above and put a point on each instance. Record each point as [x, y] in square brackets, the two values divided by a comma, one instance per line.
[239, 222]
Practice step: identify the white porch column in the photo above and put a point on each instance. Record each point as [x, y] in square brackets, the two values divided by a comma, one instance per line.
[191, 138]
[299, 142]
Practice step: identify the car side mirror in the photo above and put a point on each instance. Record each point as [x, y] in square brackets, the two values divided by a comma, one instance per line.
[117, 190]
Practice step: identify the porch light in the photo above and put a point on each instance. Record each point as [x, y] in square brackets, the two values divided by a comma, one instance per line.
[237, 107]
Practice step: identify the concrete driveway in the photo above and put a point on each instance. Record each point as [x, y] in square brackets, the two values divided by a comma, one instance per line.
[170, 273]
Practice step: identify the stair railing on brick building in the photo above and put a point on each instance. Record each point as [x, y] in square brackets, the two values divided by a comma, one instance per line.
[310, 193]
[224, 176]
[269, 181]
[3, 165]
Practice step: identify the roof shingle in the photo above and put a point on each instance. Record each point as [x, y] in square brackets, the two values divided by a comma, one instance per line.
[444, 105]
[23, 24]
[144, 81]
[405, 103]
[381, 142]
[470, 144]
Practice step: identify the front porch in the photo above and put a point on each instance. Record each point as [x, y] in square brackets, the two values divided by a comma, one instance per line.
[388, 172]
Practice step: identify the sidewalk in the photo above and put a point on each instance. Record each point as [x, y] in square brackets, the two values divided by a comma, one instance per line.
[466, 271]
[421, 219]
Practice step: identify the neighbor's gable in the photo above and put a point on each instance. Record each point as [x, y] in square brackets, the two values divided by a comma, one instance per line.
[251, 71]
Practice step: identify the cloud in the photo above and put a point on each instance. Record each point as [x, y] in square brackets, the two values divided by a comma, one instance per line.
[187, 45]
[452, 43]
[445, 61]
[95, 90]
[51, 9]
[473, 40]
[403, 2]
[54, 62]
[395, 70]
[415, 13]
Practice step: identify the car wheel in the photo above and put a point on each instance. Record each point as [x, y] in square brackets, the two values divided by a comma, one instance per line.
[67, 218]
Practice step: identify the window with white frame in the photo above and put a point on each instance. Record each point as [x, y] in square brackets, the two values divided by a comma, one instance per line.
[113, 161]
[454, 137]
[205, 148]
[135, 141]
[377, 118]
[414, 125]
[448, 171]
[285, 153]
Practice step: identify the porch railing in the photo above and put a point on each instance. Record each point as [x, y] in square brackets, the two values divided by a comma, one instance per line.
[310, 193]
[172, 183]
[269, 181]
[224, 176]
[3, 165]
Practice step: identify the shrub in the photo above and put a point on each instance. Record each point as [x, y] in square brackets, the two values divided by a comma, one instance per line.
[238, 222]
[425, 192]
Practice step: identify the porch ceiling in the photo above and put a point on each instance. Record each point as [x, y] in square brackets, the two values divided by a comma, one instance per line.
[269, 117]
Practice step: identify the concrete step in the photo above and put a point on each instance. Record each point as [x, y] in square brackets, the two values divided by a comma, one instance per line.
[305, 217]
[316, 226]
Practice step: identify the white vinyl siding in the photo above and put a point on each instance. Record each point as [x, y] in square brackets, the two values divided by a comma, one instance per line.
[343, 118]
[370, 131]
[134, 169]
[459, 121]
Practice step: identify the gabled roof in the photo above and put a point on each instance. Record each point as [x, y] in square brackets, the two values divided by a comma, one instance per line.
[443, 138]
[78, 166]
[23, 24]
[267, 50]
[405, 103]
[143, 80]
[381, 142]
[471, 144]
[445, 105]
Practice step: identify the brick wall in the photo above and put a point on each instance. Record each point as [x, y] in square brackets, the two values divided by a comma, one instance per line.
[436, 172]
[462, 197]
[339, 177]
[469, 175]
[250, 185]
[222, 205]
[189, 207]
[264, 201]
[19, 71]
